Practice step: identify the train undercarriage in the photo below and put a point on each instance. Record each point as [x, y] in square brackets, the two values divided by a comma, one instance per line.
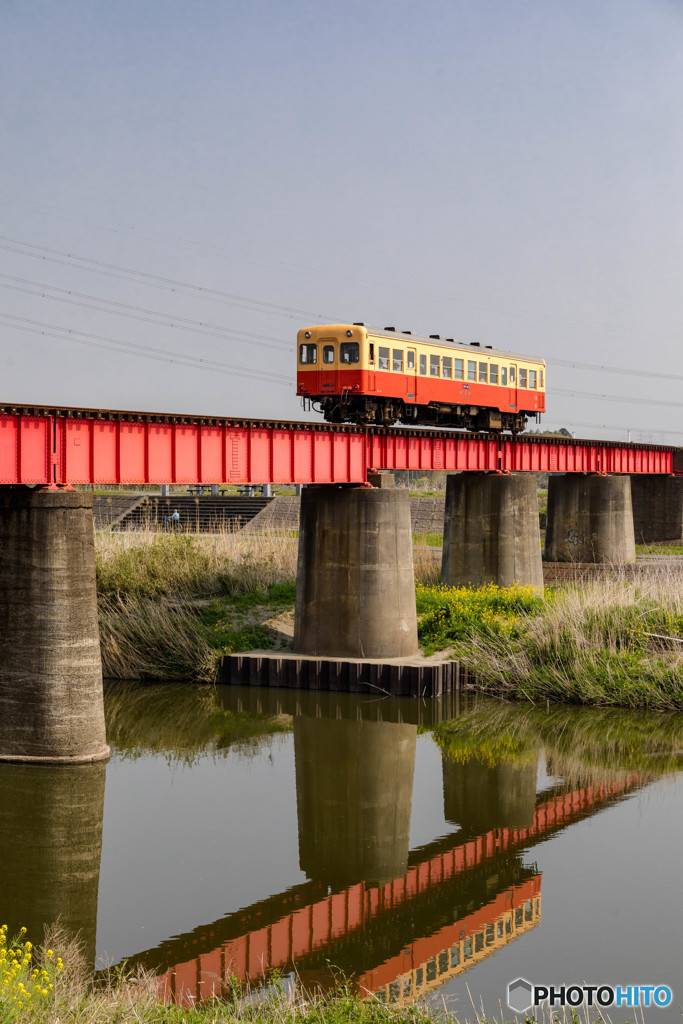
[386, 411]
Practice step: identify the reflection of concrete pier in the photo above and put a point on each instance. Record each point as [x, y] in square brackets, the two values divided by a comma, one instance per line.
[354, 784]
[52, 821]
[479, 797]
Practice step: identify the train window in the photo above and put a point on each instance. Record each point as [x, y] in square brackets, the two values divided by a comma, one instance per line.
[467, 949]
[308, 353]
[383, 358]
[493, 373]
[457, 369]
[349, 352]
[328, 353]
[433, 366]
[446, 366]
[471, 370]
[372, 353]
[478, 942]
[455, 956]
[482, 373]
[504, 376]
[540, 378]
[411, 359]
[512, 375]
[398, 360]
[522, 378]
[423, 365]
[532, 378]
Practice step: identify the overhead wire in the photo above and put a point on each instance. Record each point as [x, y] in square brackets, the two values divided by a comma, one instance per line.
[97, 266]
[133, 230]
[132, 312]
[615, 398]
[142, 351]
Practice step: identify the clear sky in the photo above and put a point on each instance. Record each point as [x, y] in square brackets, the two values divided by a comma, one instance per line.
[502, 171]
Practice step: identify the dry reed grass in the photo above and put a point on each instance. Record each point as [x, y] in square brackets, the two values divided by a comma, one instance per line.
[613, 641]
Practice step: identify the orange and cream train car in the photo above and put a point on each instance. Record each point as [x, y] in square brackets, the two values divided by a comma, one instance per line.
[360, 375]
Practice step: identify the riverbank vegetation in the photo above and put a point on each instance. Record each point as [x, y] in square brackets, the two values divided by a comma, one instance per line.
[171, 605]
[51, 984]
[610, 641]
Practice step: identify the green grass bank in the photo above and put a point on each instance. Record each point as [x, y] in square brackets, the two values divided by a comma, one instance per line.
[171, 605]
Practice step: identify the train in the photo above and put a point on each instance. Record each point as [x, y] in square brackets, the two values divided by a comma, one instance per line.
[356, 374]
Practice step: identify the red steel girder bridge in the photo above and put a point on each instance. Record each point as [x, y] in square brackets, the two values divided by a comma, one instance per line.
[51, 446]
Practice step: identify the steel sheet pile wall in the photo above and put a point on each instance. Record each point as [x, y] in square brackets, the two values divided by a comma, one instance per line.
[74, 447]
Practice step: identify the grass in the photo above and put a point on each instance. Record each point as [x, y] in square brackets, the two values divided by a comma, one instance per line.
[172, 604]
[663, 548]
[608, 642]
[51, 986]
[433, 540]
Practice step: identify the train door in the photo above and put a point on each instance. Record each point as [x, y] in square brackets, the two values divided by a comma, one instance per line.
[513, 384]
[411, 375]
[328, 366]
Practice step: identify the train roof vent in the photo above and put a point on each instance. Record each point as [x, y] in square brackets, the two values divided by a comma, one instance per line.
[475, 344]
[389, 328]
[489, 346]
[450, 339]
[358, 323]
[437, 337]
[406, 332]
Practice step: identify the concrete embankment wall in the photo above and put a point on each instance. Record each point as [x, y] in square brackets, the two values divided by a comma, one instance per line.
[282, 514]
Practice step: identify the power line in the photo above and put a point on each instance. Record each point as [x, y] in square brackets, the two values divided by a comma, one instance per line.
[128, 230]
[615, 398]
[142, 351]
[112, 269]
[609, 426]
[659, 375]
[177, 322]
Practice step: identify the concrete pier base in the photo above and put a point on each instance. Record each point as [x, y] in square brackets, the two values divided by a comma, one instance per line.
[590, 519]
[491, 531]
[657, 508]
[51, 707]
[354, 787]
[355, 586]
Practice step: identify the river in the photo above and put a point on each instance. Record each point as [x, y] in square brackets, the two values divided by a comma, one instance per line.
[436, 849]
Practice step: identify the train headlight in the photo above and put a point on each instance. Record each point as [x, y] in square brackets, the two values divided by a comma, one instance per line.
[307, 334]
[349, 334]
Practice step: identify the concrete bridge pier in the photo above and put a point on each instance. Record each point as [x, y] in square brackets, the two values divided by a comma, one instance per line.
[657, 507]
[491, 531]
[51, 706]
[590, 519]
[354, 787]
[355, 584]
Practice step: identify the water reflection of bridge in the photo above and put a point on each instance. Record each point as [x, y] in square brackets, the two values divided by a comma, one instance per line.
[395, 920]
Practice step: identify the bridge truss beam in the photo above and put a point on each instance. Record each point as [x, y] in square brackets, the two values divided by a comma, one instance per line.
[81, 446]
